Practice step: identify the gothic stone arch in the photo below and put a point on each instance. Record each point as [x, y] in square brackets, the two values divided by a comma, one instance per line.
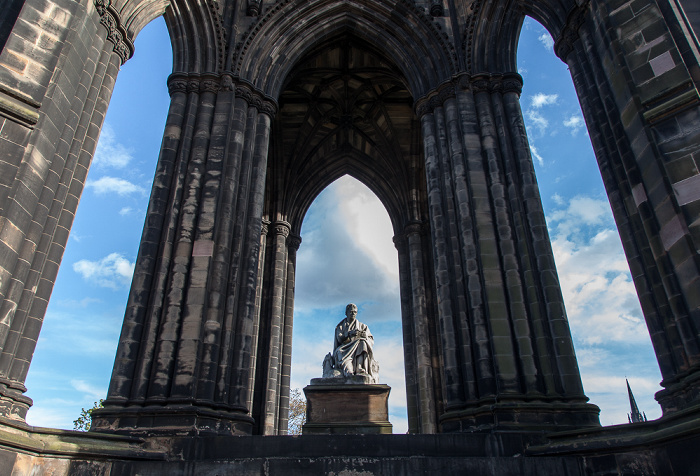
[271, 102]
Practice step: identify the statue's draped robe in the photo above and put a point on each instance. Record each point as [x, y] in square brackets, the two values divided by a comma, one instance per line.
[347, 349]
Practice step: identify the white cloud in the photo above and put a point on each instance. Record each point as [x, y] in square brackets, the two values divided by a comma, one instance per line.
[546, 40]
[365, 215]
[558, 199]
[538, 121]
[345, 257]
[105, 185]
[109, 152]
[113, 271]
[575, 123]
[598, 291]
[541, 99]
[125, 211]
[540, 159]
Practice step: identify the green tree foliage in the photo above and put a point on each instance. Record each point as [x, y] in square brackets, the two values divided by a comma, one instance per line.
[297, 412]
[85, 419]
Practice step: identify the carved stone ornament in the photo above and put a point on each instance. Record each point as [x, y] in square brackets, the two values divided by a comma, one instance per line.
[116, 33]
[293, 242]
[569, 34]
[281, 228]
[253, 8]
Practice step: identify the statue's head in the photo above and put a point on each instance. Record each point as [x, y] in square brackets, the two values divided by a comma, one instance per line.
[351, 311]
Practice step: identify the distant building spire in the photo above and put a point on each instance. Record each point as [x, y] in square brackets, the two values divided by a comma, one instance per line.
[635, 416]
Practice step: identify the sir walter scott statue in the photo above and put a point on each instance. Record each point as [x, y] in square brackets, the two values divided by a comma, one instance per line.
[352, 350]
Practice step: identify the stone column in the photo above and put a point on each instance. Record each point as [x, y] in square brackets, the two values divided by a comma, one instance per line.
[50, 124]
[642, 107]
[274, 328]
[507, 354]
[186, 347]
[293, 243]
[422, 347]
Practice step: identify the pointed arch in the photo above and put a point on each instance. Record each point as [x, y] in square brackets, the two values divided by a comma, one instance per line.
[399, 29]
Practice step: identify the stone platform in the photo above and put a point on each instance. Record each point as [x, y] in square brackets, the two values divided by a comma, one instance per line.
[663, 447]
[345, 406]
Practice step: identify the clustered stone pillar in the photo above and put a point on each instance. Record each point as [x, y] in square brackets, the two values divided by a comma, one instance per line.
[421, 354]
[643, 114]
[507, 354]
[50, 124]
[270, 406]
[185, 353]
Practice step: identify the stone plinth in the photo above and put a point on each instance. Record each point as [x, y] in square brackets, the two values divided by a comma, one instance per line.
[346, 406]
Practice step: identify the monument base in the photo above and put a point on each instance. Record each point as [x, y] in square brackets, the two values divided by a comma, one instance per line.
[346, 406]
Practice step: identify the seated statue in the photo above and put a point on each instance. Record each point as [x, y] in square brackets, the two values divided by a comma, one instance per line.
[352, 350]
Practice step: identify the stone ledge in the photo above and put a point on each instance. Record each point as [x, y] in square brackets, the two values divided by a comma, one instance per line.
[71, 443]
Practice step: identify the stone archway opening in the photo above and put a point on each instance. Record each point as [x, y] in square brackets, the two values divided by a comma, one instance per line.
[345, 110]
[347, 255]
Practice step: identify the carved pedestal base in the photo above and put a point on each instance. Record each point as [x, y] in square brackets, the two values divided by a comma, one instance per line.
[14, 404]
[336, 407]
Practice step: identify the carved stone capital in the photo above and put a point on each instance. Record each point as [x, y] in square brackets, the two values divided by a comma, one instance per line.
[123, 46]
[268, 107]
[481, 83]
[281, 228]
[177, 83]
[463, 82]
[265, 227]
[415, 227]
[210, 84]
[193, 85]
[512, 83]
[244, 92]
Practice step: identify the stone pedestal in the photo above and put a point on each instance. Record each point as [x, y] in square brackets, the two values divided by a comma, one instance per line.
[346, 406]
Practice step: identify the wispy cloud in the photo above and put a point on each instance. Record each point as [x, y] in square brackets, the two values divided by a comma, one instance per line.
[542, 99]
[105, 185]
[91, 391]
[538, 121]
[536, 155]
[575, 123]
[113, 271]
[109, 152]
[546, 40]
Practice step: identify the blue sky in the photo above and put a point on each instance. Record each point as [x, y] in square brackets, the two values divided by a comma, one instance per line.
[349, 229]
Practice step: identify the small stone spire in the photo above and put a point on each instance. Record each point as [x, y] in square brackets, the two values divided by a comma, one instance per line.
[635, 416]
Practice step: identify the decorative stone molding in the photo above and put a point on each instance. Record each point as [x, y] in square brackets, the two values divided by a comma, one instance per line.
[265, 227]
[285, 7]
[569, 34]
[210, 84]
[214, 9]
[281, 228]
[415, 227]
[213, 83]
[490, 83]
[437, 9]
[253, 8]
[471, 23]
[116, 33]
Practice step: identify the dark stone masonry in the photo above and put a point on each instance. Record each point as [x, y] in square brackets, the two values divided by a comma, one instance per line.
[418, 99]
